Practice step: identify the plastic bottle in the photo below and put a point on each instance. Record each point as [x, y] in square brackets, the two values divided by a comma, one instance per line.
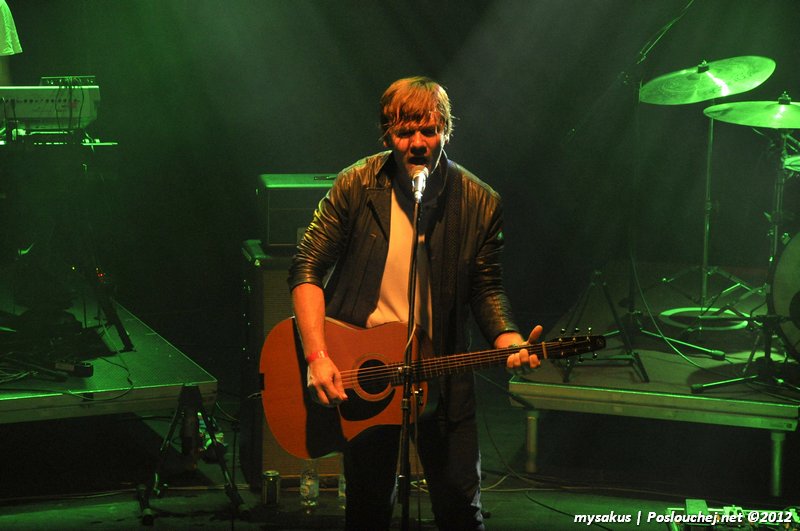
[342, 491]
[309, 484]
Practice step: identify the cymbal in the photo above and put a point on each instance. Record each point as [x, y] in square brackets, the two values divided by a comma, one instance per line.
[771, 114]
[707, 81]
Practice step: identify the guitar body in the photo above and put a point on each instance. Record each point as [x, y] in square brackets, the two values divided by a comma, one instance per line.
[306, 429]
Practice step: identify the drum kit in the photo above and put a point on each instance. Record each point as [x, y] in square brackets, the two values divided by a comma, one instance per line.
[709, 81]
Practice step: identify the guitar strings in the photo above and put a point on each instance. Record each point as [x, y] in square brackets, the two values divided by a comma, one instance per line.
[433, 366]
[469, 359]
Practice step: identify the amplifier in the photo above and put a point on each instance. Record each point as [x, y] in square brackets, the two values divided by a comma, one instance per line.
[286, 203]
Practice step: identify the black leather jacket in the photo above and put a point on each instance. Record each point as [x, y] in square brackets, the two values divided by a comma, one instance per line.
[350, 233]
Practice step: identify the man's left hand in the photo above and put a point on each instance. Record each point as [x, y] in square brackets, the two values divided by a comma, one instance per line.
[520, 362]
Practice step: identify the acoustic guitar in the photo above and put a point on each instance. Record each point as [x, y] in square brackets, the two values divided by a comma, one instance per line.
[370, 362]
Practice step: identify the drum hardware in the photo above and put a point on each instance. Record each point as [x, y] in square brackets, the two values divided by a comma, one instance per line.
[792, 163]
[688, 318]
[783, 286]
[776, 218]
[708, 81]
[721, 319]
[766, 371]
[781, 115]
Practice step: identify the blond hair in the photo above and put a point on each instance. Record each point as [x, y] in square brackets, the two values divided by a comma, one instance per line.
[414, 100]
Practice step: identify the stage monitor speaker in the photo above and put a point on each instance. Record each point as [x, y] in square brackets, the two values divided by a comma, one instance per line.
[286, 203]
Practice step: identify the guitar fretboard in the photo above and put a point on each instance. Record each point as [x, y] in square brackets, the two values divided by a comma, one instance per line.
[434, 367]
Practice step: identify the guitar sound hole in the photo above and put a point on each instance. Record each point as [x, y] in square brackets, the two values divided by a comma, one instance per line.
[371, 378]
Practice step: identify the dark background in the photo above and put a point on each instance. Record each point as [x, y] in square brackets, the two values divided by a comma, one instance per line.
[203, 96]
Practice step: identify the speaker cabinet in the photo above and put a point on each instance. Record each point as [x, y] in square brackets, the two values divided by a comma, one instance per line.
[286, 203]
[267, 301]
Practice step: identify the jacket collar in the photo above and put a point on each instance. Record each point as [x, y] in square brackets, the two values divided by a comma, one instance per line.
[379, 196]
[383, 160]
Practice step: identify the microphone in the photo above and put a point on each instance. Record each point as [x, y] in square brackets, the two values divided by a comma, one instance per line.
[418, 183]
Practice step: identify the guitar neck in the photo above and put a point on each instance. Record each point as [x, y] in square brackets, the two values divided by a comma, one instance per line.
[427, 369]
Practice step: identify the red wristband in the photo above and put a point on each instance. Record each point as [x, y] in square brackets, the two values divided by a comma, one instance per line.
[316, 355]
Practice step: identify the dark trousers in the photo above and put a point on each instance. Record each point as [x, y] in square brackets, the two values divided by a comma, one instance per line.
[451, 461]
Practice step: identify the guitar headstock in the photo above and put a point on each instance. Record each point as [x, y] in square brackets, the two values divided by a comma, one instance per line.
[574, 345]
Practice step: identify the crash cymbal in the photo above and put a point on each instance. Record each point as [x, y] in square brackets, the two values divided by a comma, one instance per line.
[781, 114]
[707, 81]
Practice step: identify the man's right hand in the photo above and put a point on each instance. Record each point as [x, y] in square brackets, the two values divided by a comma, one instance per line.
[325, 382]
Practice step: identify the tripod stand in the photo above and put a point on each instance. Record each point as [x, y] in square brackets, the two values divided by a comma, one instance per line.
[765, 371]
[190, 403]
[705, 309]
[630, 356]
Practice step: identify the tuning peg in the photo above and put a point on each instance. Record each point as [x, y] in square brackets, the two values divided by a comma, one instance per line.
[563, 331]
[577, 330]
[589, 330]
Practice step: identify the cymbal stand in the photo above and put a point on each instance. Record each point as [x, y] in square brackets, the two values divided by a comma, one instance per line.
[769, 324]
[631, 323]
[707, 209]
[765, 370]
[776, 217]
[704, 302]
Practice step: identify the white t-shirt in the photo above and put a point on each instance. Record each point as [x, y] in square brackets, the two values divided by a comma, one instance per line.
[393, 300]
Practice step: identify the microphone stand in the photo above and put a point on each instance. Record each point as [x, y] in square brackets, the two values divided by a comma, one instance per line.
[625, 77]
[404, 479]
[631, 323]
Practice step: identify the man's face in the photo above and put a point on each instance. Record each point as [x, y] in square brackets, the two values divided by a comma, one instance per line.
[415, 145]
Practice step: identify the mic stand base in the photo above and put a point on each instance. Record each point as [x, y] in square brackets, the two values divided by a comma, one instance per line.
[765, 366]
[630, 356]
